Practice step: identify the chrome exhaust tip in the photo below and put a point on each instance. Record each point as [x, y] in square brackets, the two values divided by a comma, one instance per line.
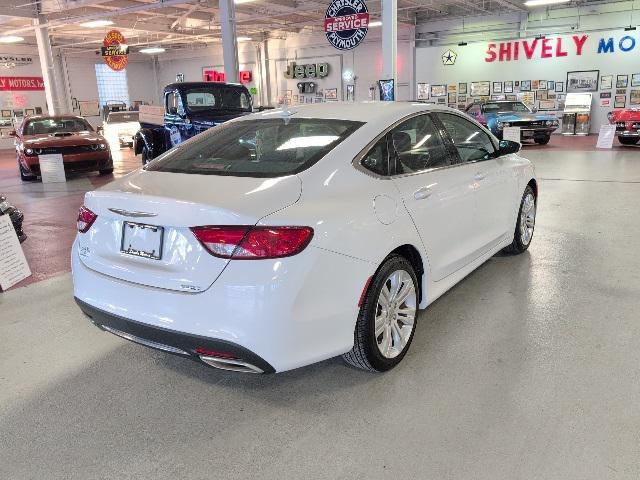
[232, 365]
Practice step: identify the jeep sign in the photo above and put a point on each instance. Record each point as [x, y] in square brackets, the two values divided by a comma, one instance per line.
[310, 70]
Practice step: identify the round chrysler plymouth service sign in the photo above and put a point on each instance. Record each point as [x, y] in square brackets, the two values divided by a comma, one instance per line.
[115, 50]
[346, 23]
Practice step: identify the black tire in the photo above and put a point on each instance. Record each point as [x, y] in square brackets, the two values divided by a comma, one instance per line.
[517, 245]
[542, 140]
[365, 353]
[628, 140]
[130, 144]
[106, 171]
[146, 156]
[25, 177]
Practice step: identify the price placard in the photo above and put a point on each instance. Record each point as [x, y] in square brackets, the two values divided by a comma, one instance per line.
[511, 133]
[52, 168]
[606, 136]
[13, 264]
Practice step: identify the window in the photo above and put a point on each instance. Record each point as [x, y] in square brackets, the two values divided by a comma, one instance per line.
[112, 85]
[418, 146]
[500, 107]
[472, 143]
[218, 97]
[377, 159]
[256, 148]
[46, 126]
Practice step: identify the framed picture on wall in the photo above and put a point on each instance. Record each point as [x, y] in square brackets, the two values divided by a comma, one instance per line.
[29, 111]
[308, 99]
[442, 100]
[512, 98]
[605, 94]
[38, 110]
[462, 99]
[508, 86]
[452, 98]
[606, 82]
[462, 88]
[498, 97]
[559, 87]
[6, 113]
[535, 84]
[525, 85]
[295, 99]
[331, 93]
[582, 81]
[542, 95]
[438, 91]
[451, 88]
[497, 87]
[551, 84]
[620, 101]
[621, 91]
[622, 81]
[351, 93]
[480, 89]
[635, 80]
[634, 97]
[423, 91]
[542, 84]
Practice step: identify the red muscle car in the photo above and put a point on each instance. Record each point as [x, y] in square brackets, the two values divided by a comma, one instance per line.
[82, 149]
[627, 122]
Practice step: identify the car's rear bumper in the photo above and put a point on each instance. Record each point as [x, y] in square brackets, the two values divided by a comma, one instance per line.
[177, 343]
[289, 312]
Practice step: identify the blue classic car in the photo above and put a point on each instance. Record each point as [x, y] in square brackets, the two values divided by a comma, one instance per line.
[504, 113]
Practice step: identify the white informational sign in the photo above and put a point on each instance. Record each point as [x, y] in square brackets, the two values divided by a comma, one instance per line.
[511, 133]
[151, 114]
[13, 264]
[52, 168]
[89, 108]
[606, 136]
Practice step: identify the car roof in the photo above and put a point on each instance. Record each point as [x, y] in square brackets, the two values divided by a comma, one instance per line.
[178, 85]
[53, 117]
[369, 112]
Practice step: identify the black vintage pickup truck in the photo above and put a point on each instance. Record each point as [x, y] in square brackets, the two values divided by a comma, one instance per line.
[190, 108]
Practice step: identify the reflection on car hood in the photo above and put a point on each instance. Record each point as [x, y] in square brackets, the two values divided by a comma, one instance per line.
[41, 141]
[520, 117]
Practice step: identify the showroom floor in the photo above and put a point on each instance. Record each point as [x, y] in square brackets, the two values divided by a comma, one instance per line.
[528, 369]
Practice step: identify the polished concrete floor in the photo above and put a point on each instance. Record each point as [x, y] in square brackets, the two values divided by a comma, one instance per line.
[528, 369]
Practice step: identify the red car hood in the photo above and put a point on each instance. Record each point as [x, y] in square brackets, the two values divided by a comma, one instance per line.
[76, 139]
[626, 115]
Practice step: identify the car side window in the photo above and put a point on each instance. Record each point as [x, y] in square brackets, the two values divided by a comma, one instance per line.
[472, 143]
[377, 159]
[417, 146]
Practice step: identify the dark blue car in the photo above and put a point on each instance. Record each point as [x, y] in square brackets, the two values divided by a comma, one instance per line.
[191, 108]
[496, 115]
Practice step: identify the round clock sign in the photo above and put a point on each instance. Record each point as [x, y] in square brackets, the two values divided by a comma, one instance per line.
[346, 23]
[115, 50]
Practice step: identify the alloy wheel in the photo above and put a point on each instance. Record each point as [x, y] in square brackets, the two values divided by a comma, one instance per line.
[527, 219]
[395, 314]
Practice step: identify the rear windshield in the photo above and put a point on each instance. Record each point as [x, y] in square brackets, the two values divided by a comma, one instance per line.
[256, 148]
[122, 117]
[58, 125]
[221, 98]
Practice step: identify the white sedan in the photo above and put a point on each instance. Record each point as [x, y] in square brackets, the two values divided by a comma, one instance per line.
[287, 237]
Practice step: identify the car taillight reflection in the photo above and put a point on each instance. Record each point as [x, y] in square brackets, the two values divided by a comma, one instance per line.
[85, 219]
[253, 243]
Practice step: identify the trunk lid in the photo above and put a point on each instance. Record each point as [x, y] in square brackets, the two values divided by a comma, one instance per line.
[175, 202]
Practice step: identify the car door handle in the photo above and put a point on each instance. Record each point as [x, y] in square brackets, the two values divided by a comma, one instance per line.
[422, 193]
[479, 176]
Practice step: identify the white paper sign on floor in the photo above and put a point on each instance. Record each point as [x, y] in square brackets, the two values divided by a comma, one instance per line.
[52, 168]
[511, 133]
[13, 264]
[606, 136]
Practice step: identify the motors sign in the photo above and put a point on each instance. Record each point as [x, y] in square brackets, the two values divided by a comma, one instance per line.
[17, 84]
[346, 23]
[115, 50]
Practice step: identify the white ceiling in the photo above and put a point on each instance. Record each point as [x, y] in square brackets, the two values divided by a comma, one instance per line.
[184, 23]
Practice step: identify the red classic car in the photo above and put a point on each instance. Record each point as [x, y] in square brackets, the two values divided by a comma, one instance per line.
[82, 149]
[627, 122]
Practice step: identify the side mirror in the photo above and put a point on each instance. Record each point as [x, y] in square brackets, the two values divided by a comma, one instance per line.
[507, 146]
[12, 133]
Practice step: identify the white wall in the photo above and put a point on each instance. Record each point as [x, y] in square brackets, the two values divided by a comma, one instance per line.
[471, 65]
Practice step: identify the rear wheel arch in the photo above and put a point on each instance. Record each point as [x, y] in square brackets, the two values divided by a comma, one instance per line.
[414, 257]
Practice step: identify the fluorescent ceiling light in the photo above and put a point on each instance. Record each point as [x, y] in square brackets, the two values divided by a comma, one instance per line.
[96, 23]
[243, 1]
[10, 39]
[243, 39]
[151, 50]
[375, 23]
[539, 3]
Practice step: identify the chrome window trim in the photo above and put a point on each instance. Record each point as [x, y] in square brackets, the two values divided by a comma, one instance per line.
[357, 161]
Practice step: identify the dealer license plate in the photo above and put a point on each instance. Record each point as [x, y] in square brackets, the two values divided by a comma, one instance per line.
[527, 133]
[142, 240]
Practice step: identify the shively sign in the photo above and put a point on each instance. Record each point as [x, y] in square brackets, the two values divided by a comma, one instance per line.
[16, 84]
[558, 47]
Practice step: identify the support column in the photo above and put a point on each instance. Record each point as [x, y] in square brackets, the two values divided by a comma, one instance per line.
[55, 103]
[229, 40]
[390, 42]
[265, 67]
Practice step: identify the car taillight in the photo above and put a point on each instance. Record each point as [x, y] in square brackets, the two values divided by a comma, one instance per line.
[253, 243]
[85, 219]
